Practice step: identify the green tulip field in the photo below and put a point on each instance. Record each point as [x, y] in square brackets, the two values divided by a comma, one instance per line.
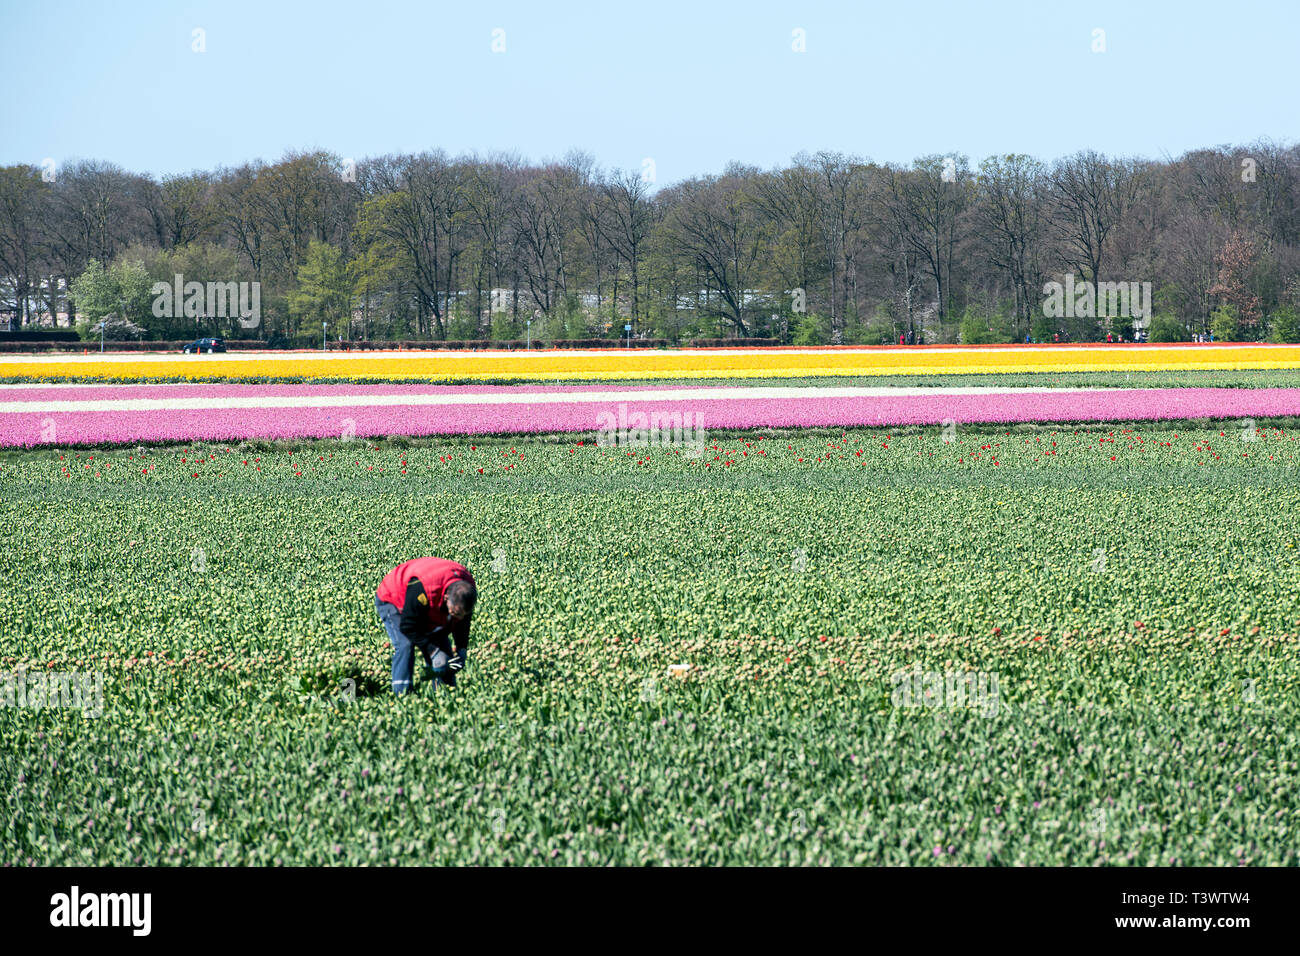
[1007, 645]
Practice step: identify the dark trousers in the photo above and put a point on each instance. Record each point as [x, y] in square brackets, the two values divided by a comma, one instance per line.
[404, 649]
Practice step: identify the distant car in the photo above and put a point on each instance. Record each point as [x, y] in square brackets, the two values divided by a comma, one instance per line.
[205, 345]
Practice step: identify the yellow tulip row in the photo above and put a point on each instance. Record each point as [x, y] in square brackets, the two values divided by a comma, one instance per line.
[613, 365]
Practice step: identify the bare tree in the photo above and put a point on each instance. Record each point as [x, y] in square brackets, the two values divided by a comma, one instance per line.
[1089, 195]
[1009, 208]
[839, 192]
[927, 207]
[491, 203]
[418, 212]
[179, 208]
[717, 224]
[788, 199]
[24, 211]
[628, 216]
[548, 211]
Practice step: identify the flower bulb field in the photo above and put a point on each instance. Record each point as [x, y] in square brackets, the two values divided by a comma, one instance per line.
[613, 364]
[1009, 624]
[124, 413]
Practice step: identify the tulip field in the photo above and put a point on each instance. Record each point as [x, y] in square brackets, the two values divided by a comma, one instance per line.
[676, 659]
[935, 606]
[33, 415]
[564, 365]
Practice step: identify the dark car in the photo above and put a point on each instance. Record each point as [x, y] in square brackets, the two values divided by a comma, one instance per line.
[205, 345]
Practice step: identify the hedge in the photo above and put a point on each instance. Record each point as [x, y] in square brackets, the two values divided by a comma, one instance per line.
[234, 345]
[506, 344]
[38, 334]
[608, 344]
[8, 344]
[730, 343]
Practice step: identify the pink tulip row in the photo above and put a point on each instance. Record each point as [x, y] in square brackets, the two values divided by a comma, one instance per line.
[51, 426]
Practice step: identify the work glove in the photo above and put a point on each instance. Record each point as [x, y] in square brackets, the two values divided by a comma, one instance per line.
[458, 660]
[445, 674]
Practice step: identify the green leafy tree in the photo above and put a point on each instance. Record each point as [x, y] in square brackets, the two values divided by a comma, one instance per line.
[120, 295]
[374, 269]
[325, 288]
[196, 262]
[1224, 325]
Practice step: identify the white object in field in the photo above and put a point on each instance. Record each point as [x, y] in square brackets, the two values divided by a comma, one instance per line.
[678, 670]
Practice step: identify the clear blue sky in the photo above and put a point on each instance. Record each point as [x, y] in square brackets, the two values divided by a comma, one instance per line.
[691, 85]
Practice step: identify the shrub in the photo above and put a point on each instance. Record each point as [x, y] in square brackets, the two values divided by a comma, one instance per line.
[1167, 328]
[1223, 323]
[978, 328]
[1284, 325]
[810, 329]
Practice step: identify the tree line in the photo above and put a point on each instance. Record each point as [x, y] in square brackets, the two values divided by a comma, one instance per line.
[828, 249]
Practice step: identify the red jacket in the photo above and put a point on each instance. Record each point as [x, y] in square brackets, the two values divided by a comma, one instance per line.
[434, 573]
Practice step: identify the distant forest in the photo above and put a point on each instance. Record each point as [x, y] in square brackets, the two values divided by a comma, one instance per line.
[829, 249]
